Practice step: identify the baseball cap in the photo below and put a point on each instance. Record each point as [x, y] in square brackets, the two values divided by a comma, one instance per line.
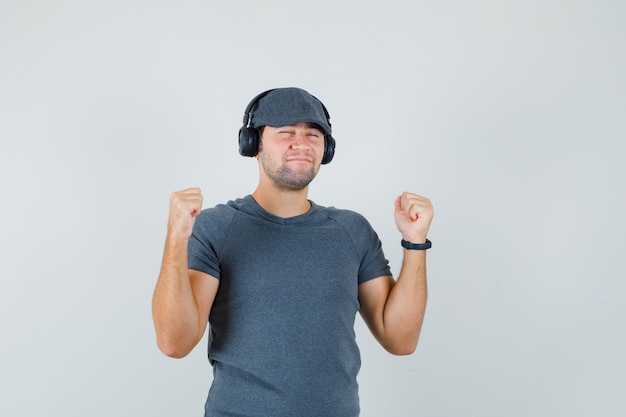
[288, 106]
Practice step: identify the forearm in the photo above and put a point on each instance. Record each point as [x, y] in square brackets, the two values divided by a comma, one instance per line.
[406, 305]
[174, 309]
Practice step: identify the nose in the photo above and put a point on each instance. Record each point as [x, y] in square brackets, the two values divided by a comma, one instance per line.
[300, 140]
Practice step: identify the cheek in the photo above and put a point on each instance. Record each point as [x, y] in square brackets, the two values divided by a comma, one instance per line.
[319, 147]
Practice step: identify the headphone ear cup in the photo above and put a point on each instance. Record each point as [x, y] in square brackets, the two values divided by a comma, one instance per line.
[248, 141]
[329, 149]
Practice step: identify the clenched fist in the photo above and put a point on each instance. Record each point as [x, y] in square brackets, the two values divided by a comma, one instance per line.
[413, 214]
[185, 205]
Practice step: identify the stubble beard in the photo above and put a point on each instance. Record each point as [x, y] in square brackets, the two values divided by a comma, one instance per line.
[284, 177]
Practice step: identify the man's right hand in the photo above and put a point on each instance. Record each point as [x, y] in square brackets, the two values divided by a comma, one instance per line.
[185, 205]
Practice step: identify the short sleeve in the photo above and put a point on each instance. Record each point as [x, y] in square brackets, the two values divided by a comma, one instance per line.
[208, 234]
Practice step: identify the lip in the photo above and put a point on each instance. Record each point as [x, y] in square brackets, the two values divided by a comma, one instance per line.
[299, 158]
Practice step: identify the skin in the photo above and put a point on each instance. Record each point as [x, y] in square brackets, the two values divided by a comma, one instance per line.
[289, 159]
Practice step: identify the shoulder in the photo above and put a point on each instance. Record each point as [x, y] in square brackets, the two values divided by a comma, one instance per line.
[218, 217]
[365, 241]
[223, 211]
[347, 218]
[354, 224]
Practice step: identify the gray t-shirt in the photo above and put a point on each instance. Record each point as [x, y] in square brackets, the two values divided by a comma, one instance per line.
[281, 329]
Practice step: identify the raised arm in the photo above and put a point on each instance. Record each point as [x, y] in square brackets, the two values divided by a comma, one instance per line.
[182, 298]
[394, 310]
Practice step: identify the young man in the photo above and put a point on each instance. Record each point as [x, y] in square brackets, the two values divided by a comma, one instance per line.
[280, 279]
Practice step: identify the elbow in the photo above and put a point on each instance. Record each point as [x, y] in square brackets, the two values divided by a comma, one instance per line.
[171, 349]
[173, 341]
[401, 347]
[175, 354]
[402, 350]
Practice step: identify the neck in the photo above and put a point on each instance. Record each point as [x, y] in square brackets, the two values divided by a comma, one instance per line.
[282, 203]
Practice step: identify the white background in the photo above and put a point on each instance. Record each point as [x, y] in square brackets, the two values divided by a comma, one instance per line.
[509, 115]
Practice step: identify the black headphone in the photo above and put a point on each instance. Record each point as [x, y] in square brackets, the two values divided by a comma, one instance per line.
[249, 137]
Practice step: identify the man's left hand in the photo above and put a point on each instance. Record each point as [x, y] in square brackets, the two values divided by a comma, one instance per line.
[413, 214]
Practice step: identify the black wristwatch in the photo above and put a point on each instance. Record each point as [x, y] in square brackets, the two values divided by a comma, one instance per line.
[416, 246]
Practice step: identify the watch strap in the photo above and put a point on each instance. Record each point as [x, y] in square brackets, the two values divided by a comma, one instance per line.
[416, 246]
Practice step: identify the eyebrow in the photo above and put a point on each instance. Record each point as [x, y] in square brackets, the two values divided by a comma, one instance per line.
[307, 125]
[315, 126]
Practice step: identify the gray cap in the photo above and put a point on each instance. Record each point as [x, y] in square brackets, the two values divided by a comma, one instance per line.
[288, 106]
